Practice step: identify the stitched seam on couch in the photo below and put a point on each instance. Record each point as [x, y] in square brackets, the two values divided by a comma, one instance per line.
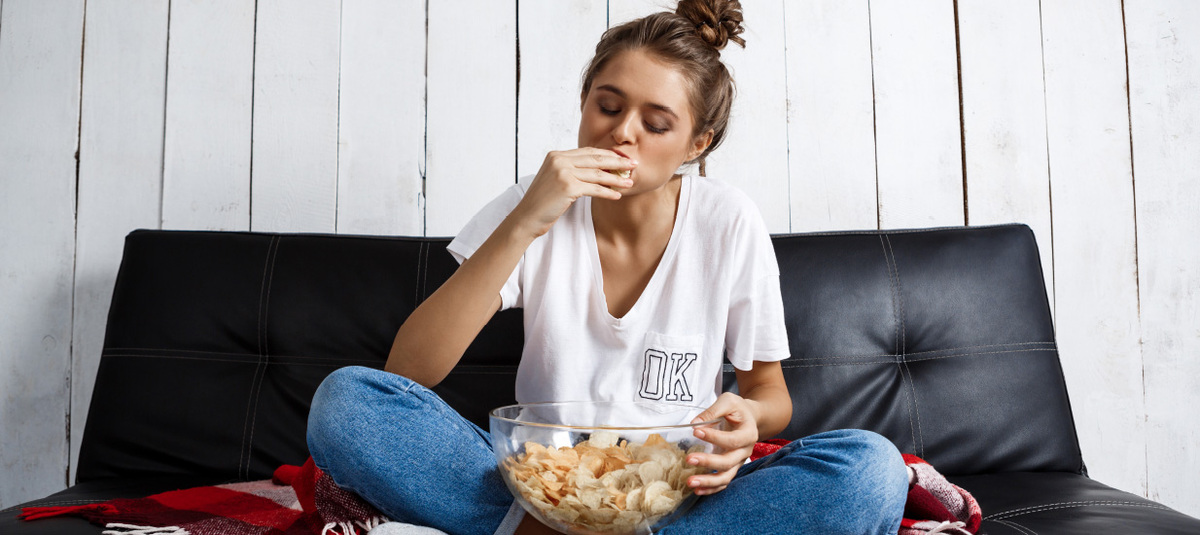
[331, 363]
[243, 468]
[1016, 526]
[920, 436]
[1045, 345]
[1068, 505]
[897, 346]
[165, 351]
[786, 365]
[50, 504]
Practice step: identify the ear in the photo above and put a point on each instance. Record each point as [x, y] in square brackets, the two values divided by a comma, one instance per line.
[699, 144]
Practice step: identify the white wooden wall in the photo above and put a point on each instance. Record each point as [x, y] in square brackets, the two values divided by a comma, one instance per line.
[1078, 117]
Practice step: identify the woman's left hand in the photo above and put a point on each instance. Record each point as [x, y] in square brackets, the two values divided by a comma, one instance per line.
[736, 443]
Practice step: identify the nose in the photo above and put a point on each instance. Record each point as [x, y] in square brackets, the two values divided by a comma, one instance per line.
[623, 131]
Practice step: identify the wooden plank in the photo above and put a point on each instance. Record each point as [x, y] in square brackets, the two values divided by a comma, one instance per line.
[40, 56]
[1004, 119]
[917, 131]
[471, 138]
[1163, 38]
[754, 155]
[381, 132]
[1087, 124]
[831, 116]
[294, 180]
[557, 40]
[210, 88]
[120, 176]
[622, 11]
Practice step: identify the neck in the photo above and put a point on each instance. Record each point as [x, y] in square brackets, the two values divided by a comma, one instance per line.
[637, 217]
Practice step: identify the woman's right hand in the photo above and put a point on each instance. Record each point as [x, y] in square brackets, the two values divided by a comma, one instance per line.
[566, 176]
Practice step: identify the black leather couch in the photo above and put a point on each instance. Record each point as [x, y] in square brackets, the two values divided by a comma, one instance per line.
[940, 340]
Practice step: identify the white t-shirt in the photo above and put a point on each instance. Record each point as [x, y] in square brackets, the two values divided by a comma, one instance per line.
[714, 295]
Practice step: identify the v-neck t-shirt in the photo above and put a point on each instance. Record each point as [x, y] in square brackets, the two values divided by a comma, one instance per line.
[713, 296]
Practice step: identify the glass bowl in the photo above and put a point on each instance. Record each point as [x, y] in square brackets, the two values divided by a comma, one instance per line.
[613, 468]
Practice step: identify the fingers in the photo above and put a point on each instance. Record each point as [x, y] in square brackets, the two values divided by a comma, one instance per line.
[740, 436]
[602, 192]
[594, 158]
[713, 483]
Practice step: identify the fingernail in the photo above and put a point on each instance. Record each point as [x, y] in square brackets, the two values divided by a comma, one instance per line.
[628, 182]
[632, 161]
[699, 433]
[693, 461]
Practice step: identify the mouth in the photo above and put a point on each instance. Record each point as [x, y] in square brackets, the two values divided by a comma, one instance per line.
[623, 155]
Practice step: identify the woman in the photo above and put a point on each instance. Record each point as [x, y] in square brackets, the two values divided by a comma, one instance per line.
[611, 267]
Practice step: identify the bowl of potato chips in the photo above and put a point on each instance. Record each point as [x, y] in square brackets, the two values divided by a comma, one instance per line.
[612, 468]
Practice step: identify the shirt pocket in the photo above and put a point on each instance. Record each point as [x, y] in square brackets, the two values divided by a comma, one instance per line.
[671, 368]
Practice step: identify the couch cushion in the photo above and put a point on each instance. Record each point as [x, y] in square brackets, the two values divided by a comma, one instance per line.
[1026, 503]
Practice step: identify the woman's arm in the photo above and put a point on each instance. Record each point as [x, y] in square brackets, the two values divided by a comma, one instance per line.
[434, 337]
[442, 326]
[762, 410]
[764, 388]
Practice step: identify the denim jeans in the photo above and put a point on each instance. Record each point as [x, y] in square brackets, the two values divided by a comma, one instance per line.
[403, 449]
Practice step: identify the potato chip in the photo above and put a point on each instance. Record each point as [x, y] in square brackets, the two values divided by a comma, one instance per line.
[603, 483]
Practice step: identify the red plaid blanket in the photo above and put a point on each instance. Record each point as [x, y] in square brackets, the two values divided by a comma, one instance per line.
[303, 500]
[299, 500]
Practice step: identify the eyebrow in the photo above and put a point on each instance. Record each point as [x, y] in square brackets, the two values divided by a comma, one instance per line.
[619, 93]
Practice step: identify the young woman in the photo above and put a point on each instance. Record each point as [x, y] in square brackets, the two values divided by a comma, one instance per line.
[608, 269]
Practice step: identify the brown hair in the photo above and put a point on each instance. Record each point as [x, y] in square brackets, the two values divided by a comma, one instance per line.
[690, 39]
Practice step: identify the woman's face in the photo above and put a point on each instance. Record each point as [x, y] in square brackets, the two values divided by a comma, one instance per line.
[638, 107]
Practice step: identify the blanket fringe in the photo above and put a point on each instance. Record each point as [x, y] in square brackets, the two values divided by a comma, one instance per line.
[130, 529]
[372, 523]
[953, 528]
[347, 528]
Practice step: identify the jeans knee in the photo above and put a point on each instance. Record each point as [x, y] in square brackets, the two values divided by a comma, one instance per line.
[872, 478]
[882, 464]
[333, 405]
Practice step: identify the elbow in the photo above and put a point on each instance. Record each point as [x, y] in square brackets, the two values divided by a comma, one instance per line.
[400, 363]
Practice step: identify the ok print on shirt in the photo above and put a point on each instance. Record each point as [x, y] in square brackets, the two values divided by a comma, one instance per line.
[665, 377]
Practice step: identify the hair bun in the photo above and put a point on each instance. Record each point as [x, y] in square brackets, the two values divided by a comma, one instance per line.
[717, 21]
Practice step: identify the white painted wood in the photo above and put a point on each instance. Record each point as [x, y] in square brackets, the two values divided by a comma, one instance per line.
[917, 132]
[831, 116]
[1004, 119]
[40, 48]
[210, 88]
[622, 11]
[754, 155]
[557, 40]
[1095, 266]
[1163, 40]
[120, 176]
[381, 125]
[294, 173]
[471, 138]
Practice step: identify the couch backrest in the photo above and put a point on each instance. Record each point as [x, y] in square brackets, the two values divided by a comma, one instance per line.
[941, 340]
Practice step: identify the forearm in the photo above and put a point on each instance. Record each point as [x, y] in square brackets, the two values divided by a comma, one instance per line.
[772, 406]
[434, 337]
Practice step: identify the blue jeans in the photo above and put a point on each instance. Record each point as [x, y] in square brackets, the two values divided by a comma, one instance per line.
[400, 447]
